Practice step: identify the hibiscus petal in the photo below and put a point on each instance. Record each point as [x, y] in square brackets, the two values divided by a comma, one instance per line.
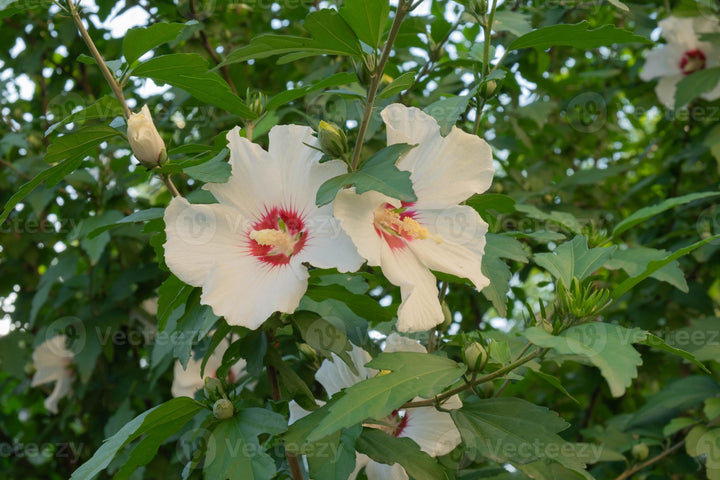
[361, 460]
[335, 375]
[665, 90]
[380, 471]
[61, 389]
[200, 236]
[420, 308]
[444, 171]
[463, 242]
[398, 343]
[328, 246]
[434, 431]
[356, 215]
[255, 175]
[263, 289]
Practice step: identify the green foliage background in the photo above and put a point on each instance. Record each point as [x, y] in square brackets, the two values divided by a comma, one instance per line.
[582, 146]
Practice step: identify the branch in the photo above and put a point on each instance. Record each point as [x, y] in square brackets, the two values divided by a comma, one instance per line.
[491, 376]
[403, 8]
[631, 471]
[109, 77]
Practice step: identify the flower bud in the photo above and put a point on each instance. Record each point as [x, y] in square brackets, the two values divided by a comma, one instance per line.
[145, 141]
[332, 139]
[640, 451]
[213, 387]
[223, 409]
[257, 101]
[490, 89]
[475, 356]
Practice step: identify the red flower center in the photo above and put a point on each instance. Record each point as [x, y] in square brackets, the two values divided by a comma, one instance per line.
[692, 61]
[277, 236]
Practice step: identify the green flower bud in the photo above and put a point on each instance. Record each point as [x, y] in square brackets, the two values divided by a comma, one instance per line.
[213, 387]
[332, 139]
[640, 451]
[475, 356]
[223, 409]
[490, 88]
[257, 101]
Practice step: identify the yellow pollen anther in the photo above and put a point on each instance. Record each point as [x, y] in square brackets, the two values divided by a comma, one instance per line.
[282, 242]
[383, 372]
[389, 220]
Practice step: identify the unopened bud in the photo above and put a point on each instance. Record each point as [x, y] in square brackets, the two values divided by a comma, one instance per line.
[223, 409]
[145, 141]
[213, 387]
[475, 356]
[640, 451]
[257, 101]
[547, 326]
[333, 141]
[490, 89]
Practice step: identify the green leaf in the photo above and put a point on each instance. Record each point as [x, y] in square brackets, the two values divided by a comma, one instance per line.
[647, 212]
[487, 203]
[334, 460]
[635, 260]
[552, 381]
[367, 19]
[511, 21]
[563, 219]
[331, 36]
[403, 82]
[680, 395]
[387, 449]
[233, 450]
[362, 305]
[78, 144]
[656, 265]
[410, 374]
[189, 72]
[657, 342]
[447, 110]
[139, 216]
[290, 380]
[158, 423]
[500, 246]
[608, 347]
[579, 35]
[342, 78]
[64, 268]
[324, 337]
[378, 173]
[677, 424]
[692, 86]
[712, 408]
[50, 176]
[511, 429]
[215, 170]
[139, 40]
[105, 108]
[573, 259]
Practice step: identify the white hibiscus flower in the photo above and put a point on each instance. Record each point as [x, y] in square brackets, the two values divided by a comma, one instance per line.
[434, 431]
[187, 381]
[247, 251]
[52, 364]
[682, 55]
[434, 233]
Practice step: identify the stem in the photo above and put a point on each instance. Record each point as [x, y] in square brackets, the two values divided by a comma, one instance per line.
[507, 380]
[98, 58]
[483, 379]
[292, 459]
[170, 185]
[402, 10]
[487, 30]
[631, 471]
